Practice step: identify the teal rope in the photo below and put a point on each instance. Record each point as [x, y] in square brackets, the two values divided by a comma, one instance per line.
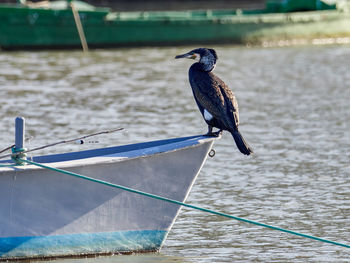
[18, 154]
[8, 165]
[186, 205]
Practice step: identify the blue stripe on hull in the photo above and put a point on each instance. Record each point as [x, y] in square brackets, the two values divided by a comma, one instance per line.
[75, 244]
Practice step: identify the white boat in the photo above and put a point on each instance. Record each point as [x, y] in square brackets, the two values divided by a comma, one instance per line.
[49, 214]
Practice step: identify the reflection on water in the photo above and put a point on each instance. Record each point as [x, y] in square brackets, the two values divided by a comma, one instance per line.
[294, 111]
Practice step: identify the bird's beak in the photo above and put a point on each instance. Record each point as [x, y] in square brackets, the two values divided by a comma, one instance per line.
[187, 55]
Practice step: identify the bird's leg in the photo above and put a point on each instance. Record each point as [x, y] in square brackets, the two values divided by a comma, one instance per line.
[210, 131]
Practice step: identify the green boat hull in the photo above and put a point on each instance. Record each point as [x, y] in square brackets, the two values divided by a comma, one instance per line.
[24, 27]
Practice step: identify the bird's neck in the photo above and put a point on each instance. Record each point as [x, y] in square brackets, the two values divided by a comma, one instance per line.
[198, 66]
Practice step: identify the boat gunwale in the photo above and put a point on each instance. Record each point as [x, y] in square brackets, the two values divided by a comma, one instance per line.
[188, 16]
[48, 9]
[236, 15]
[99, 155]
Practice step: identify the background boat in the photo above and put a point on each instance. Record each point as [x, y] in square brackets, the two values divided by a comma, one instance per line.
[49, 214]
[53, 25]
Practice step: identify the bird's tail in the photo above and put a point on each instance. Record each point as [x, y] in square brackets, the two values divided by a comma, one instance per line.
[242, 145]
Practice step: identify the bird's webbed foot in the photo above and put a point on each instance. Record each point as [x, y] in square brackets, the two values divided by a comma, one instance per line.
[217, 133]
[211, 133]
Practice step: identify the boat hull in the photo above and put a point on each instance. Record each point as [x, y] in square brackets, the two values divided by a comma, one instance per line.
[49, 214]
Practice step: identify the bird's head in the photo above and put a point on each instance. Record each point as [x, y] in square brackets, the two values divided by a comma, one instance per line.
[205, 56]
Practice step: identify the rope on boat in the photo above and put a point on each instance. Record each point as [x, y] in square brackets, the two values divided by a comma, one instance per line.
[23, 151]
[184, 204]
[8, 148]
[8, 165]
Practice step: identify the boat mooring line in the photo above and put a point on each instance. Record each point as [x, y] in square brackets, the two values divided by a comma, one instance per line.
[184, 204]
[8, 165]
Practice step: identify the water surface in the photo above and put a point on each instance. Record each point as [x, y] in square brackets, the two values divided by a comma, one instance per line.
[294, 112]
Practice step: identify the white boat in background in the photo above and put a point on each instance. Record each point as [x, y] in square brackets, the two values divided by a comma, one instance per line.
[49, 214]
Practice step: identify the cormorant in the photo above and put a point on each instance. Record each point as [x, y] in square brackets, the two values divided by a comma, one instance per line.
[215, 100]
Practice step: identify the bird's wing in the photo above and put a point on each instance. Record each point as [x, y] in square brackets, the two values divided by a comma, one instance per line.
[206, 96]
[216, 97]
[231, 104]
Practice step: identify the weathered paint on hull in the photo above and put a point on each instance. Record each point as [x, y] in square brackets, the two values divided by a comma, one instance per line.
[40, 28]
[48, 214]
[81, 244]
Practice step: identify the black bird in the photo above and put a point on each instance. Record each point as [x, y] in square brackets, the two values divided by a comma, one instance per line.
[215, 100]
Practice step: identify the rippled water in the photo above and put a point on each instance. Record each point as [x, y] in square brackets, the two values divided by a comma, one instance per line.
[294, 111]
